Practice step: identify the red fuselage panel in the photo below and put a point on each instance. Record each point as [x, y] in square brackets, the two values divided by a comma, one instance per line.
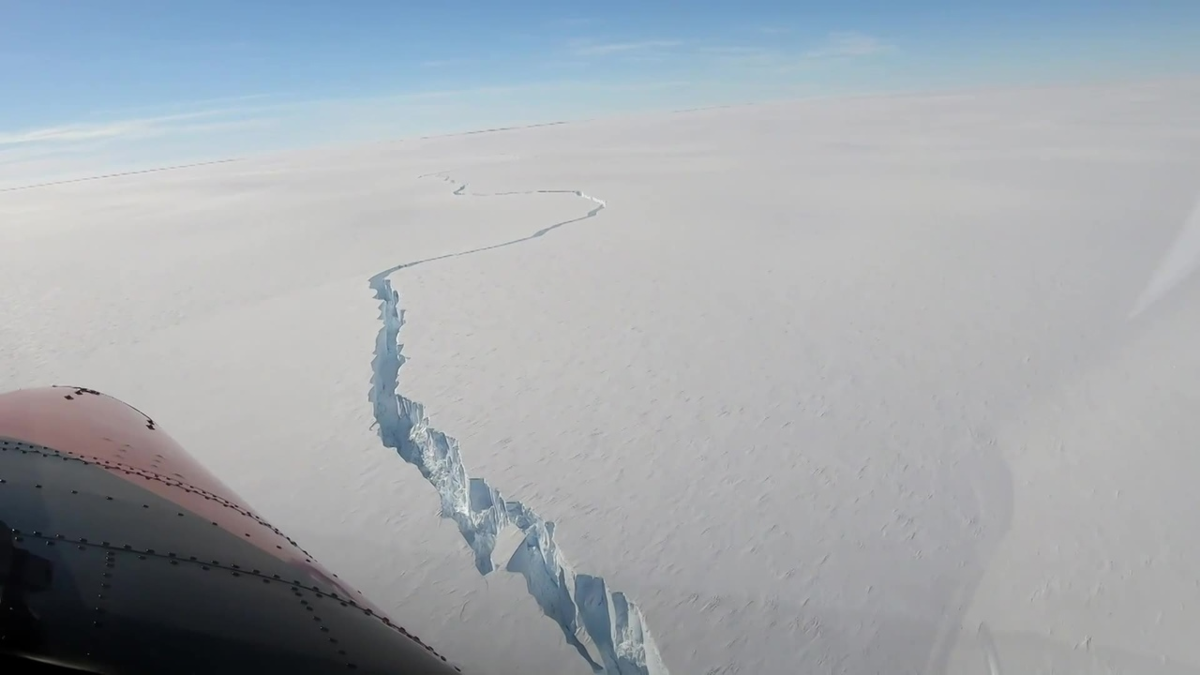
[105, 482]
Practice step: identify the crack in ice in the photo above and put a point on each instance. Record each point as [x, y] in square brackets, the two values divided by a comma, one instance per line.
[604, 626]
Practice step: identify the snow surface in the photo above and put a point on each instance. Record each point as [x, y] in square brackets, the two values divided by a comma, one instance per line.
[823, 387]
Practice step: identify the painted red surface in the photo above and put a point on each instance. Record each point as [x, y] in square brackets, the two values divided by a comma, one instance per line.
[109, 433]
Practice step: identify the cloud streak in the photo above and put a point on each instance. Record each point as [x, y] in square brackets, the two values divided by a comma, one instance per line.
[72, 151]
[121, 129]
[220, 104]
[282, 123]
[589, 48]
[444, 63]
[571, 22]
[848, 44]
[836, 46]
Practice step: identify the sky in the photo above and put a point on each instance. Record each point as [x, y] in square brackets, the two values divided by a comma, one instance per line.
[125, 84]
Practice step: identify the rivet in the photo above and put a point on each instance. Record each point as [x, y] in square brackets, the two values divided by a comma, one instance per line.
[105, 584]
[332, 640]
[237, 574]
[58, 536]
[97, 624]
[236, 567]
[82, 547]
[170, 555]
[141, 557]
[83, 540]
[145, 506]
[266, 581]
[150, 551]
[179, 514]
[127, 547]
[204, 567]
[174, 562]
[38, 486]
[109, 498]
[105, 543]
[74, 492]
[49, 542]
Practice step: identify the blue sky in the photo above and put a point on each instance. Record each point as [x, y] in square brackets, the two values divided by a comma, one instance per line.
[125, 83]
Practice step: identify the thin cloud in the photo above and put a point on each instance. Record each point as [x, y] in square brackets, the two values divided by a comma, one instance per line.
[162, 109]
[588, 48]
[842, 45]
[66, 134]
[214, 127]
[848, 44]
[645, 58]
[733, 50]
[133, 128]
[564, 64]
[571, 22]
[24, 154]
[73, 150]
[443, 63]
[186, 123]
[52, 152]
[744, 57]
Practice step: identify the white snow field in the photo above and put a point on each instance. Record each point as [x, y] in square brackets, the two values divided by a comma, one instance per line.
[820, 386]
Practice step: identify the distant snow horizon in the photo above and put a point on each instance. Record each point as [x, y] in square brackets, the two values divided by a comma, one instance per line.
[11, 178]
